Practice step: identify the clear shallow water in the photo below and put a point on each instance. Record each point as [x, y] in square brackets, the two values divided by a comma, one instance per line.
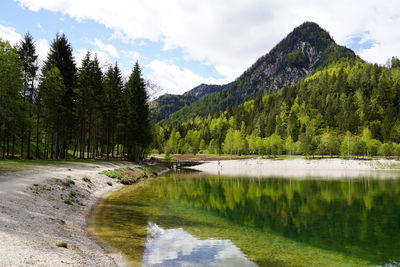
[197, 219]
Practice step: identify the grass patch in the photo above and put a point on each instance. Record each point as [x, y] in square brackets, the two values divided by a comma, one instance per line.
[86, 179]
[68, 202]
[131, 175]
[68, 183]
[62, 245]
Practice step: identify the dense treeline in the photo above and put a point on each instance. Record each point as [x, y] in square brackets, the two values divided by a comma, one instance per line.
[61, 111]
[349, 108]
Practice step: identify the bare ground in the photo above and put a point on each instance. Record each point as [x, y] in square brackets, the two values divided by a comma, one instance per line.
[47, 205]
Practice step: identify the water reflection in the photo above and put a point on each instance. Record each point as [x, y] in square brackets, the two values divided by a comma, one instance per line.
[359, 217]
[205, 219]
[176, 247]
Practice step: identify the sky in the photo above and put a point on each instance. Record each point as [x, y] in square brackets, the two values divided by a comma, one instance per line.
[183, 43]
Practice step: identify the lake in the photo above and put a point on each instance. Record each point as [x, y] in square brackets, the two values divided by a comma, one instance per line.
[194, 219]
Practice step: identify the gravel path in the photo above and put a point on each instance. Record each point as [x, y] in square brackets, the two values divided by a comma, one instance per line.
[48, 205]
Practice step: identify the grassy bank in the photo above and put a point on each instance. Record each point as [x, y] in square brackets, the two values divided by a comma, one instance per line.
[133, 174]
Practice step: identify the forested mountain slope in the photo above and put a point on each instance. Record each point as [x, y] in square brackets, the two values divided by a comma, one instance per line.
[167, 104]
[306, 49]
[349, 108]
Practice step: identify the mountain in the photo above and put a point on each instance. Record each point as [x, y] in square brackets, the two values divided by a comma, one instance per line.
[306, 49]
[167, 104]
[204, 89]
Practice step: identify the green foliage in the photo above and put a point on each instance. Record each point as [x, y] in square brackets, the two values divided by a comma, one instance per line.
[167, 160]
[69, 112]
[86, 179]
[62, 245]
[346, 109]
[68, 202]
[136, 116]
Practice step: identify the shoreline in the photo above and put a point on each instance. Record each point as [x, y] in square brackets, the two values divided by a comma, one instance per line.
[52, 204]
[302, 168]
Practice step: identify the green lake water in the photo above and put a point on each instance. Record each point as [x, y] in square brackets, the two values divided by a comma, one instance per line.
[194, 219]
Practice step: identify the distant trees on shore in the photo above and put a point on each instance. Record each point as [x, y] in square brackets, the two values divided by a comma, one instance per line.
[351, 108]
[61, 111]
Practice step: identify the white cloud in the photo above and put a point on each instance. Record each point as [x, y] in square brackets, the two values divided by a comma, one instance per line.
[9, 34]
[232, 34]
[132, 55]
[42, 49]
[176, 80]
[107, 48]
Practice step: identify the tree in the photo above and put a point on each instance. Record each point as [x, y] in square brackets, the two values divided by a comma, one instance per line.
[11, 84]
[61, 57]
[228, 145]
[329, 144]
[27, 53]
[113, 100]
[52, 91]
[138, 123]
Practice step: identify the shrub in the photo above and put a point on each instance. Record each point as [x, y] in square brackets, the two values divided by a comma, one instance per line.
[68, 202]
[62, 245]
[86, 179]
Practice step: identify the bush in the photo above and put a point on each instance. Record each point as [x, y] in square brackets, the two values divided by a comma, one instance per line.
[62, 245]
[68, 202]
[86, 179]
[67, 183]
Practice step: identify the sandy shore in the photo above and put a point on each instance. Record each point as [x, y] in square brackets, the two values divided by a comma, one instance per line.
[34, 216]
[300, 168]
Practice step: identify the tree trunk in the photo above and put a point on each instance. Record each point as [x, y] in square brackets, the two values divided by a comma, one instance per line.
[29, 143]
[13, 147]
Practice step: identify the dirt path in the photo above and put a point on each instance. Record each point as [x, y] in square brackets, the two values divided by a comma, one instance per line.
[48, 205]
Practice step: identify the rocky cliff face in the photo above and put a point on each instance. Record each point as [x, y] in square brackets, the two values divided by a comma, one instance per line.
[306, 49]
[204, 89]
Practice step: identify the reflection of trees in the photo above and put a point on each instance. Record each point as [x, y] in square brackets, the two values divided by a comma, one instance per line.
[358, 217]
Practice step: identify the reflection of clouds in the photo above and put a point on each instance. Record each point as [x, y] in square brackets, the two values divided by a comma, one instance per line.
[176, 247]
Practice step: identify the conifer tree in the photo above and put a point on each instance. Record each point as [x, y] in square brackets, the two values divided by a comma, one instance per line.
[27, 53]
[138, 124]
[61, 57]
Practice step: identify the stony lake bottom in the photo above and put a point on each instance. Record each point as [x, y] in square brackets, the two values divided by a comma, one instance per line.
[195, 219]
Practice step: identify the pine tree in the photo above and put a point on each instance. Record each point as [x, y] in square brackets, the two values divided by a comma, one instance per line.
[138, 124]
[27, 53]
[61, 57]
[113, 90]
[11, 84]
[52, 91]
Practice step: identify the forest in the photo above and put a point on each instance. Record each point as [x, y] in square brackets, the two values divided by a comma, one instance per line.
[350, 108]
[60, 111]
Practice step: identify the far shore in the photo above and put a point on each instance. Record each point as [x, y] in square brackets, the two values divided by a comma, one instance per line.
[301, 167]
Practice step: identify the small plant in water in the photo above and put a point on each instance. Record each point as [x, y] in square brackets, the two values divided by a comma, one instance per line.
[62, 245]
